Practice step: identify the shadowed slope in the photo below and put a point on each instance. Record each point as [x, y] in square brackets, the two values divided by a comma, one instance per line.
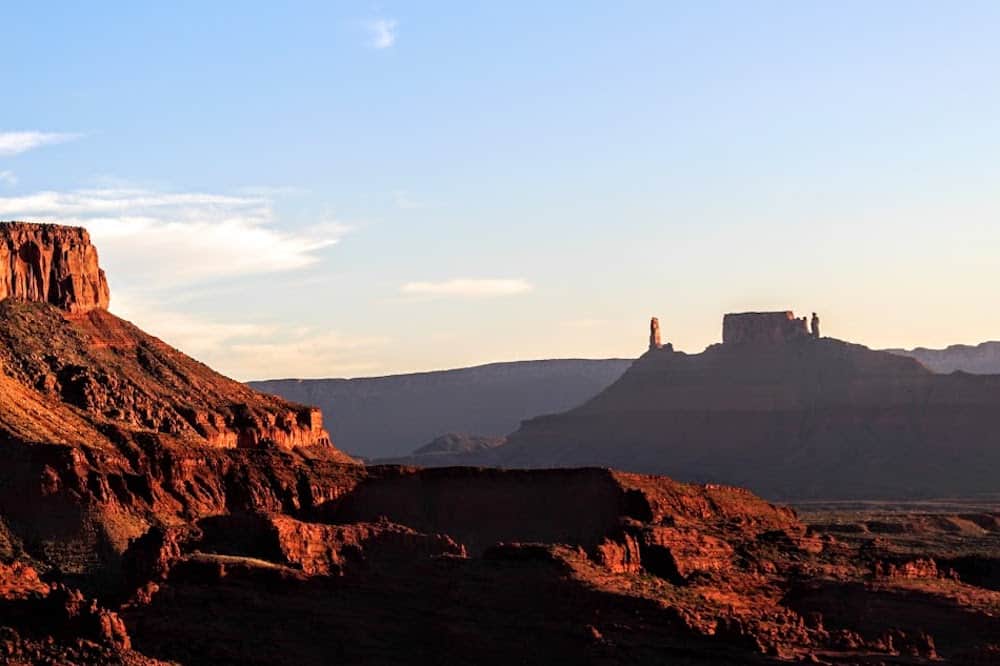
[95, 371]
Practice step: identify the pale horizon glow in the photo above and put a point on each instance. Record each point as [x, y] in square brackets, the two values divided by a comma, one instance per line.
[360, 203]
[467, 288]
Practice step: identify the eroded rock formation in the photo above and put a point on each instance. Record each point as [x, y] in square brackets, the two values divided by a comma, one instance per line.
[51, 264]
[762, 328]
[52, 623]
[662, 571]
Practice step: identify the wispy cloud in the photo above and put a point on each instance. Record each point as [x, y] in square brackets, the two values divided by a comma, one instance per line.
[162, 248]
[194, 335]
[246, 350]
[382, 33]
[167, 239]
[466, 288]
[14, 143]
[8, 178]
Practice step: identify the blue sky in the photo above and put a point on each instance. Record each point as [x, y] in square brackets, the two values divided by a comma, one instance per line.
[344, 189]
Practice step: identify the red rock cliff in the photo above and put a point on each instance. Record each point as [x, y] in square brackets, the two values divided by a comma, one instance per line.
[52, 264]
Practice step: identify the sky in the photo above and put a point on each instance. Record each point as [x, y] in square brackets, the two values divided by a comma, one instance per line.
[347, 189]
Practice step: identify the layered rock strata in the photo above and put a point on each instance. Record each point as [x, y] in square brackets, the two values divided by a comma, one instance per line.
[51, 264]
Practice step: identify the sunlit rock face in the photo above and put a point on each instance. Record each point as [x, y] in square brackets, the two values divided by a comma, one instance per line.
[52, 264]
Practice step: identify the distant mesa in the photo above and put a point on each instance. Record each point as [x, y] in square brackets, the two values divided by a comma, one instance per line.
[751, 328]
[51, 264]
[766, 328]
[388, 417]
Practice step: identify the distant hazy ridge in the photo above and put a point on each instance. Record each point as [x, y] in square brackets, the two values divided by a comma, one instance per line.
[391, 416]
[981, 359]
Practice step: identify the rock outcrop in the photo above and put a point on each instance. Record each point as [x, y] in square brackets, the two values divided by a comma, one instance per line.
[654, 334]
[762, 328]
[51, 264]
[35, 615]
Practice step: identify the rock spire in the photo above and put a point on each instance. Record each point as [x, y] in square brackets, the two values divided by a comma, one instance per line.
[654, 334]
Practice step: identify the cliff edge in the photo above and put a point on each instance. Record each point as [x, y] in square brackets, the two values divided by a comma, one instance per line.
[51, 264]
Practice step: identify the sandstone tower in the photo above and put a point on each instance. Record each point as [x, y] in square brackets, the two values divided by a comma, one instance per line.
[763, 328]
[654, 334]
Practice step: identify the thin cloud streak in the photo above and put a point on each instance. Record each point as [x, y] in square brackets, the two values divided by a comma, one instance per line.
[249, 350]
[8, 178]
[15, 143]
[169, 239]
[467, 288]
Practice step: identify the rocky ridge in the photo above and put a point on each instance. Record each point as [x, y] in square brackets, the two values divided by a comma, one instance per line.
[981, 359]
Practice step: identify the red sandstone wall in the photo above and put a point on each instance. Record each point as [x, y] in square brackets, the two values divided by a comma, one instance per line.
[53, 264]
